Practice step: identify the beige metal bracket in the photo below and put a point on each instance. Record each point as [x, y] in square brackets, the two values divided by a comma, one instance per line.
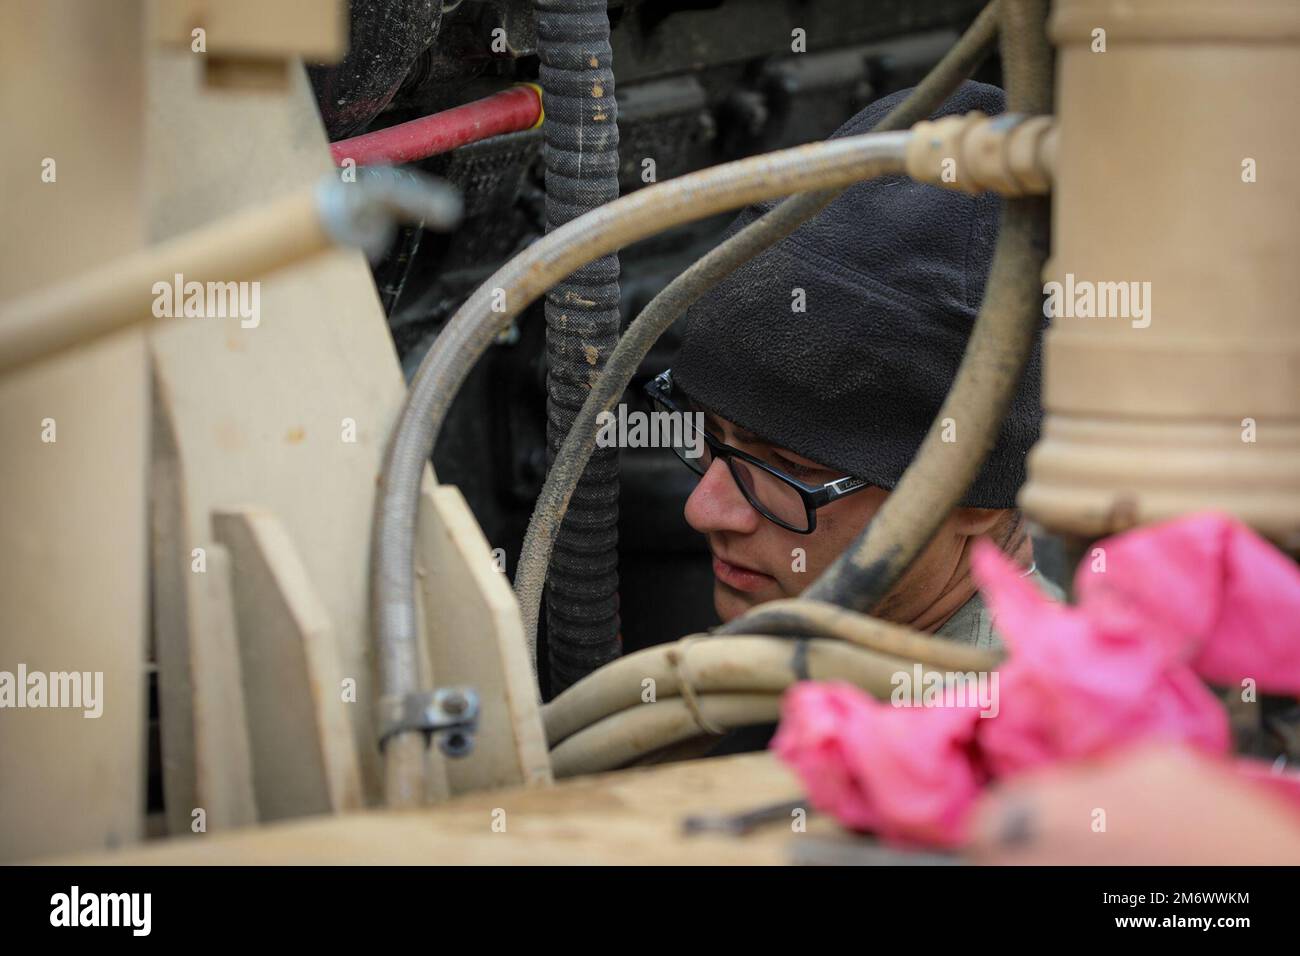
[474, 636]
[304, 760]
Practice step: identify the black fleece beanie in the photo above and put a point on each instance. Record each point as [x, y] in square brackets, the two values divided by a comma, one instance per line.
[892, 274]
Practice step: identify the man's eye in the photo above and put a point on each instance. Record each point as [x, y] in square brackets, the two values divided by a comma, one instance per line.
[794, 468]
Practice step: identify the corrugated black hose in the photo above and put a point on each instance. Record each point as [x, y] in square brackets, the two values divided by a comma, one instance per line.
[582, 324]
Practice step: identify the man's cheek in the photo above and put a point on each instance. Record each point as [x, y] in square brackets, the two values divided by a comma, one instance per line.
[790, 583]
[803, 568]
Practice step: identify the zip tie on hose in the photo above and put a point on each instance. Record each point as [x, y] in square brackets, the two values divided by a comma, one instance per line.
[676, 657]
[799, 661]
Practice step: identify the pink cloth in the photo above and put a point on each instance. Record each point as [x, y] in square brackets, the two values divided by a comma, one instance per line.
[1158, 609]
[1078, 682]
[1210, 589]
[907, 775]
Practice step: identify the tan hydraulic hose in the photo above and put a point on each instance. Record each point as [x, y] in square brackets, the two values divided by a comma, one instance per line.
[623, 737]
[515, 285]
[1000, 344]
[805, 618]
[743, 664]
[955, 66]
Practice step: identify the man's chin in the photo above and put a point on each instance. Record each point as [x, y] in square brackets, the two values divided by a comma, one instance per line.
[730, 603]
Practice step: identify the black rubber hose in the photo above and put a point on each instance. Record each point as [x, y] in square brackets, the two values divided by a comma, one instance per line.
[582, 324]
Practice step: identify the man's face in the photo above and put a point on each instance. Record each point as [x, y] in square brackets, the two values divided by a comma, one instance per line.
[754, 559]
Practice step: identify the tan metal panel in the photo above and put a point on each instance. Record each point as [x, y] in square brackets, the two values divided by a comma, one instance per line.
[315, 29]
[476, 637]
[304, 760]
[73, 592]
[632, 817]
[265, 415]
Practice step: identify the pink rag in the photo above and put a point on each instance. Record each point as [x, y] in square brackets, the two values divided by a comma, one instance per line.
[1159, 608]
[907, 775]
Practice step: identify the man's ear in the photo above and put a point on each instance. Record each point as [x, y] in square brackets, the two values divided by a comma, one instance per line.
[974, 522]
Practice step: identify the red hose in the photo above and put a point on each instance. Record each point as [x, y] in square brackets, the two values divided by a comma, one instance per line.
[509, 111]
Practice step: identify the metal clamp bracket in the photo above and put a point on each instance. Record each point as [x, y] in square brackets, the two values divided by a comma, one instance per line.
[448, 714]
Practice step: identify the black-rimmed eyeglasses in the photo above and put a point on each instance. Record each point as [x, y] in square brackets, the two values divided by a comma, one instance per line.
[779, 497]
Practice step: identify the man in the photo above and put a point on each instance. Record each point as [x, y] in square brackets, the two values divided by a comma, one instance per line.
[819, 367]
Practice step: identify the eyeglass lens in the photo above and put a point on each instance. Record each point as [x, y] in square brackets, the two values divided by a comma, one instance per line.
[766, 492]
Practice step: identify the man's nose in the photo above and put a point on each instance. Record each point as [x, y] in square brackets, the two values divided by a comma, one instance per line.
[716, 504]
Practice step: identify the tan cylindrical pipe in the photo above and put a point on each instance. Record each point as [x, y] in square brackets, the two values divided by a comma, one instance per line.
[1173, 180]
[121, 293]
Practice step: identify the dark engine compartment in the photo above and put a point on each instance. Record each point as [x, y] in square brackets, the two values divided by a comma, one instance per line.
[698, 82]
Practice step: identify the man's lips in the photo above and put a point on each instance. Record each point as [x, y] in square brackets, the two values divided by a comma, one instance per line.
[739, 577]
